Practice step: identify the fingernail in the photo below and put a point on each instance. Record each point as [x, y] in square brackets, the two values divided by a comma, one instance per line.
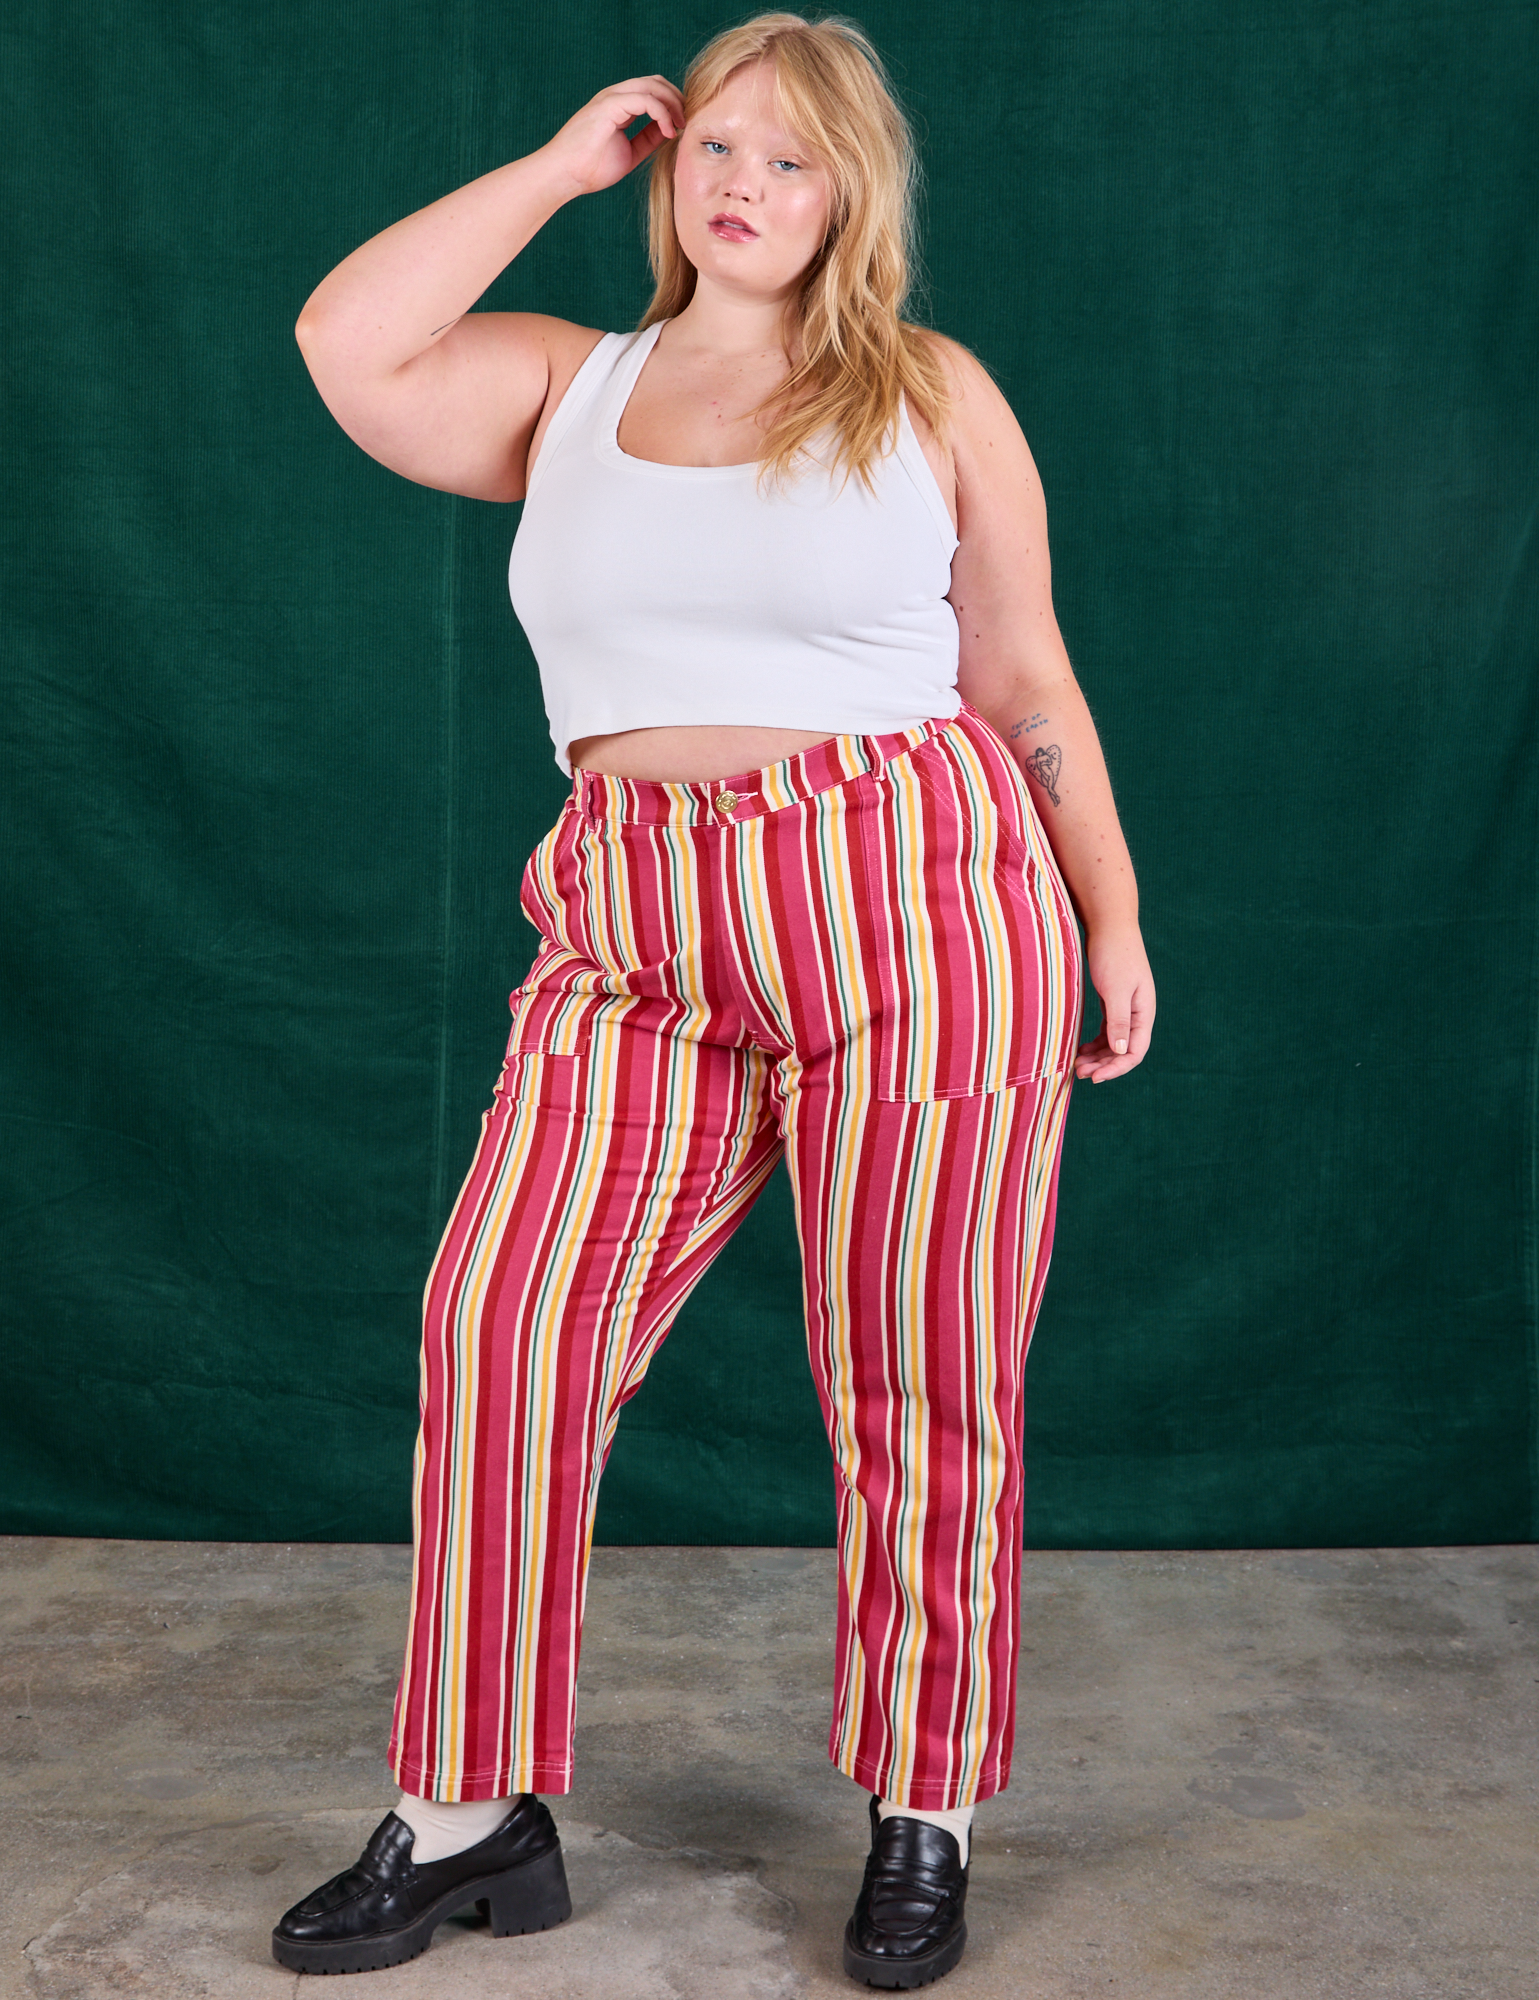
[1120, 1047]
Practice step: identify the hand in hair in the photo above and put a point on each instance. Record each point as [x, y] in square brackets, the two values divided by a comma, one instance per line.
[592, 151]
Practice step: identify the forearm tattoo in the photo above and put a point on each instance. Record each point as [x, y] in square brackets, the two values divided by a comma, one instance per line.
[1027, 724]
[1044, 764]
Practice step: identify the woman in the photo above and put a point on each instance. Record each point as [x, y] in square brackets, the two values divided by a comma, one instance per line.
[783, 565]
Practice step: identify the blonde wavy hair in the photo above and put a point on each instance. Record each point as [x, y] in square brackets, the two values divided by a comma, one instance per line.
[853, 354]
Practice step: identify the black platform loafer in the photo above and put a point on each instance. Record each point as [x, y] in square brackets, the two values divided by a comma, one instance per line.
[385, 1908]
[908, 1927]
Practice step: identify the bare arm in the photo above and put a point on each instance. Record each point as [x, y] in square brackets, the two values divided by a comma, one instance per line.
[1015, 671]
[442, 395]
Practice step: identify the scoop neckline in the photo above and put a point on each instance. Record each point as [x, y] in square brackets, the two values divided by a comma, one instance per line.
[606, 441]
[622, 388]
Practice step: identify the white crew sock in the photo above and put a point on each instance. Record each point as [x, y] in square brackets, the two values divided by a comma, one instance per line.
[447, 1826]
[958, 1821]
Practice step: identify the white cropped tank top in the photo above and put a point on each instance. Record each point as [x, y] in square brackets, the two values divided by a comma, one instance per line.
[656, 594]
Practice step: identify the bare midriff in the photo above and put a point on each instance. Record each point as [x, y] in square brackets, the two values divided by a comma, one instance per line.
[690, 753]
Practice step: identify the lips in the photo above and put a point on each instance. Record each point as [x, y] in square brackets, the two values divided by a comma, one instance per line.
[731, 229]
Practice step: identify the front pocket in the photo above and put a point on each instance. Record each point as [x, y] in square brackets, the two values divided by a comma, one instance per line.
[550, 1017]
[977, 956]
[555, 1007]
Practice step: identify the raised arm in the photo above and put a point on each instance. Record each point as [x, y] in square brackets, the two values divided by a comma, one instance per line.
[1015, 671]
[443, 395]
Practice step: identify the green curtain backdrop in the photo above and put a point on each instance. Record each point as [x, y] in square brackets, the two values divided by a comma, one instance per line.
[1261, 282]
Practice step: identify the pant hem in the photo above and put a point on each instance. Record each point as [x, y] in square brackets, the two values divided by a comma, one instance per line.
[932, 1795]
[419, 1783]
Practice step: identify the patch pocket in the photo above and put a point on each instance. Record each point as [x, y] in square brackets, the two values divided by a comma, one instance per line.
[553, 1014]
[976, 956]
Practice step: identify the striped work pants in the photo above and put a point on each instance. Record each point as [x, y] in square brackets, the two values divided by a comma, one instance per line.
[862, 960]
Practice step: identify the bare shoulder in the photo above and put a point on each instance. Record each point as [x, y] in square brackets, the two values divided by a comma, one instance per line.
[980, 415]
[460, 416]
[968, 381]
[565, 342]
[961, 365]
[999, 507]
[568, 347]
[536, 344]
[988, 448]
[525, 366]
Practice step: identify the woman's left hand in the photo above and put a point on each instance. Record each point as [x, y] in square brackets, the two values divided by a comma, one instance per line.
[1119, 971]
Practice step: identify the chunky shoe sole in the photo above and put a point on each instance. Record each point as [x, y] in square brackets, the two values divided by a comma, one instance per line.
[878, 1970]
[531, 1897]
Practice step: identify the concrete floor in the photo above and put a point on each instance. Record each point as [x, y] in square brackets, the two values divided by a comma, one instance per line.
[1290, 1774]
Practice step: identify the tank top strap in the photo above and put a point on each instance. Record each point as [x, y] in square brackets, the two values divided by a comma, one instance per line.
[910, 455]
[587, 383]
[624, 371]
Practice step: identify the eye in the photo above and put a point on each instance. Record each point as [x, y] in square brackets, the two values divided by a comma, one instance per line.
[790, 165]
[713, 145]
